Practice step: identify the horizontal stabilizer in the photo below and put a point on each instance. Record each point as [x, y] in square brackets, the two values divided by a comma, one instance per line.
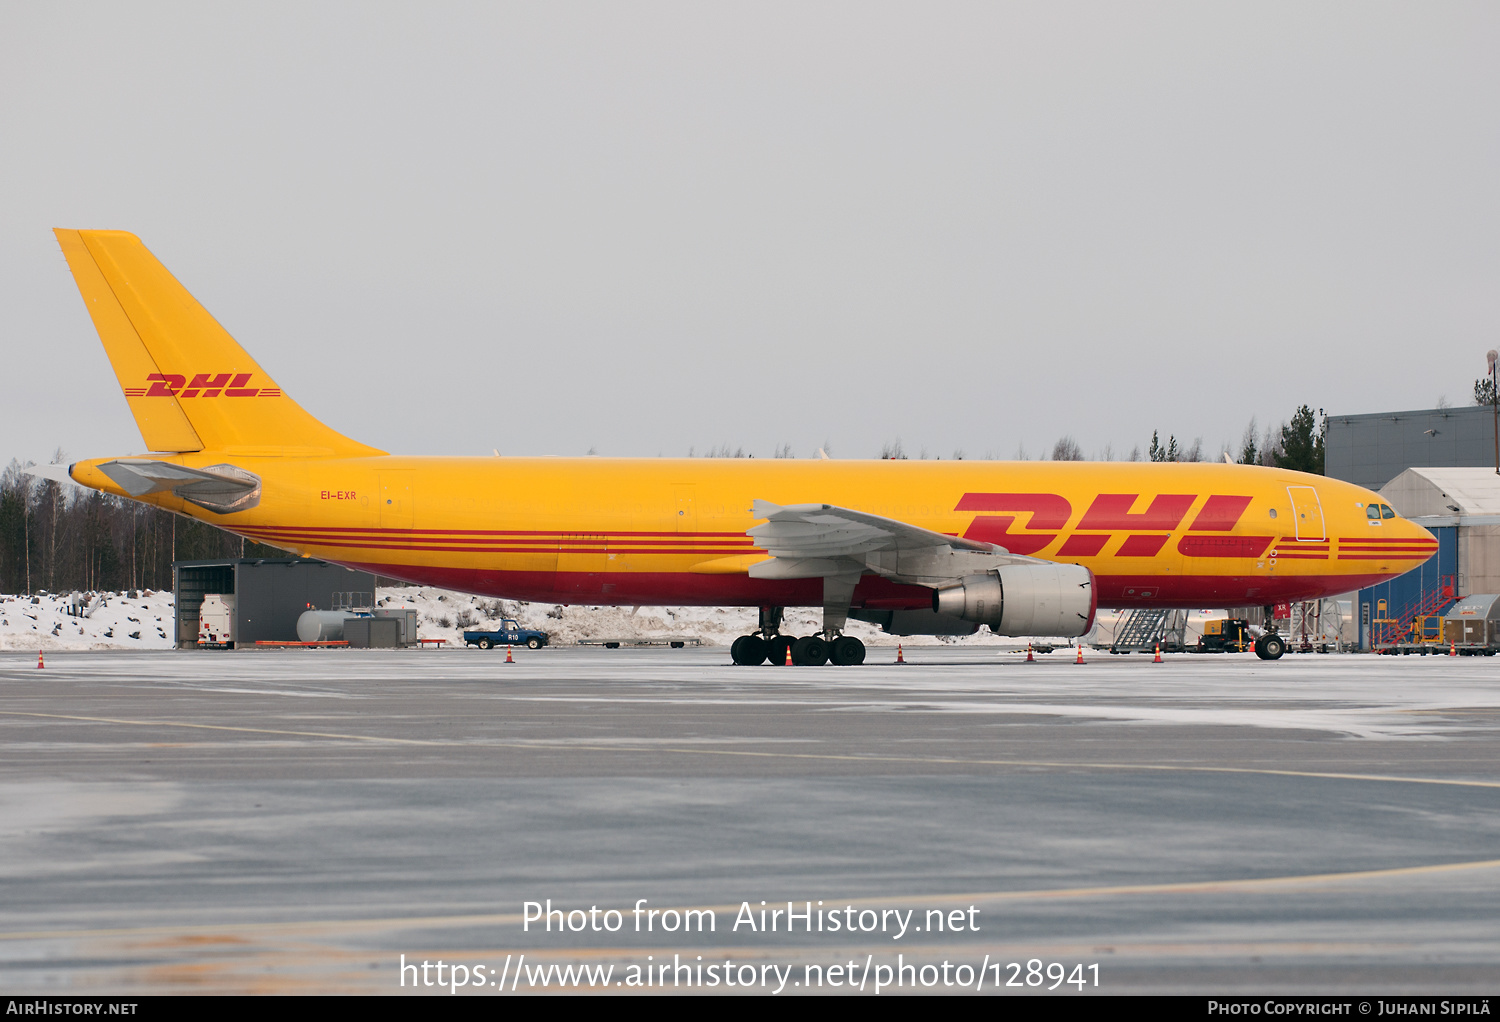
[223, 489]
[57, 473]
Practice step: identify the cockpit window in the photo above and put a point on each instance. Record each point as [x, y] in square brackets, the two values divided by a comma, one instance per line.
[1372, 511]
[1386, 511]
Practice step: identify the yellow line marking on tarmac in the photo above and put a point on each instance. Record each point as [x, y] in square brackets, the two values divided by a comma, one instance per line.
[818, 756]
[332, 926]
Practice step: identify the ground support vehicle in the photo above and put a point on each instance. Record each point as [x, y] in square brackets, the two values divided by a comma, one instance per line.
[1225, 635]
[510, 633]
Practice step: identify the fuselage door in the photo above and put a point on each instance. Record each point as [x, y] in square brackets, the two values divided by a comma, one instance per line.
[396, 509]
[1308, 512]
[686, 517]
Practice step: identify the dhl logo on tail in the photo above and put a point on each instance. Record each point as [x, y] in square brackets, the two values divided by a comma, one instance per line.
[203, 385]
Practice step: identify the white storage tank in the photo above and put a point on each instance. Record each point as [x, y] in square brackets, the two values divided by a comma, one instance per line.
[321, 625]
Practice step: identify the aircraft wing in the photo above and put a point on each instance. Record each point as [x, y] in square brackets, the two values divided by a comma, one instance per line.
[823, 540]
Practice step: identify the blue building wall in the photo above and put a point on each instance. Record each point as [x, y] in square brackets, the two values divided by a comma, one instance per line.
[1406, 591]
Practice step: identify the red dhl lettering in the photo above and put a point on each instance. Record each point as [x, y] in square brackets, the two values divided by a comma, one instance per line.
[166, 384]
[1047, 510]
[1220, 514]
[203, 385]
[1112, 511]
[1224, 546]
[1108, 513]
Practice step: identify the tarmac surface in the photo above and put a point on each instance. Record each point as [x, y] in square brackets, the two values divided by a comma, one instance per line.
[297, 821]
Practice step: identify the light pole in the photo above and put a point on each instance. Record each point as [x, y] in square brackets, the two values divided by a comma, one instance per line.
[1493, 356]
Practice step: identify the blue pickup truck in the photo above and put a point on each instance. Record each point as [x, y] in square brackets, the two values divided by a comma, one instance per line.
[510, 633]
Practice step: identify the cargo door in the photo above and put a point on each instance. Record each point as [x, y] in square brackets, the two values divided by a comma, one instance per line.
[1308, 513]
[396, 499]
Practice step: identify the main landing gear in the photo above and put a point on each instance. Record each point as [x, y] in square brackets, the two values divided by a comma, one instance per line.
[808, 651]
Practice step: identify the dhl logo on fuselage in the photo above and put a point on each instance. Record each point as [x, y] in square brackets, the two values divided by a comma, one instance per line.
[203, 385]
[1147, 531]
[1208, 535]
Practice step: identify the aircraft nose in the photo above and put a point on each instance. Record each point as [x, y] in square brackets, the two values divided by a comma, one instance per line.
[1410, 530]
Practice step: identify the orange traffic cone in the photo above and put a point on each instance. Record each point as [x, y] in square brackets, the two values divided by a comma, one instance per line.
[1080, 654]
[788, 655]
[508, 658]
[1158, 654]
[1452, 648]
[900, 659]
[1029, 658]
[39, 664]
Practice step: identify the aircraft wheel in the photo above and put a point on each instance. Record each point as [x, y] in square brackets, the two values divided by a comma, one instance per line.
[776, 649]
[533, 643]
[748, 650]
[809, 651]
[1270, 647]
[847, 651]
[484, 643]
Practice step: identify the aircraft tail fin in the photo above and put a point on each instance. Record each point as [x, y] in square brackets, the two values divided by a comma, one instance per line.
[189, 384]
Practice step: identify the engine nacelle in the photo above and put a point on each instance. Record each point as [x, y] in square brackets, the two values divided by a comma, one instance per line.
[1024, 599]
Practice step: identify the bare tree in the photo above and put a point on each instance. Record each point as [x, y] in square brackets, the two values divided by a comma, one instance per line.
[1067, 449]
[1249, 449]
[1270, 445]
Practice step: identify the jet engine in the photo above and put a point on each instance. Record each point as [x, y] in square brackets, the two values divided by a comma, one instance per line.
[1024, 599]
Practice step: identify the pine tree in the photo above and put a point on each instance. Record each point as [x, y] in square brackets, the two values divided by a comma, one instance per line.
[1302, 443]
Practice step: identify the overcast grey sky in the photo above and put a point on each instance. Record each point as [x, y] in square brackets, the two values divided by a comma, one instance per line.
[639, 227]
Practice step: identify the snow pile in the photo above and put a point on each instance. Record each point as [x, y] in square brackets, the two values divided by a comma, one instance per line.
[132, 620]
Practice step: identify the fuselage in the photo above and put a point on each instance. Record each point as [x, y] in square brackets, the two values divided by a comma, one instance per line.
[655, 531]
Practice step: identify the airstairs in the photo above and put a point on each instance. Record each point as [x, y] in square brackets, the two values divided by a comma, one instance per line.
[1141, 630]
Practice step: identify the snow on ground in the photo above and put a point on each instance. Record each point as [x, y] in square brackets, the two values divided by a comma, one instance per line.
[143, 620]
[133, 620]
[443, 614]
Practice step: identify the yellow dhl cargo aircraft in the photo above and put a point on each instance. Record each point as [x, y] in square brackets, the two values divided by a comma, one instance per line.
[919, 547]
